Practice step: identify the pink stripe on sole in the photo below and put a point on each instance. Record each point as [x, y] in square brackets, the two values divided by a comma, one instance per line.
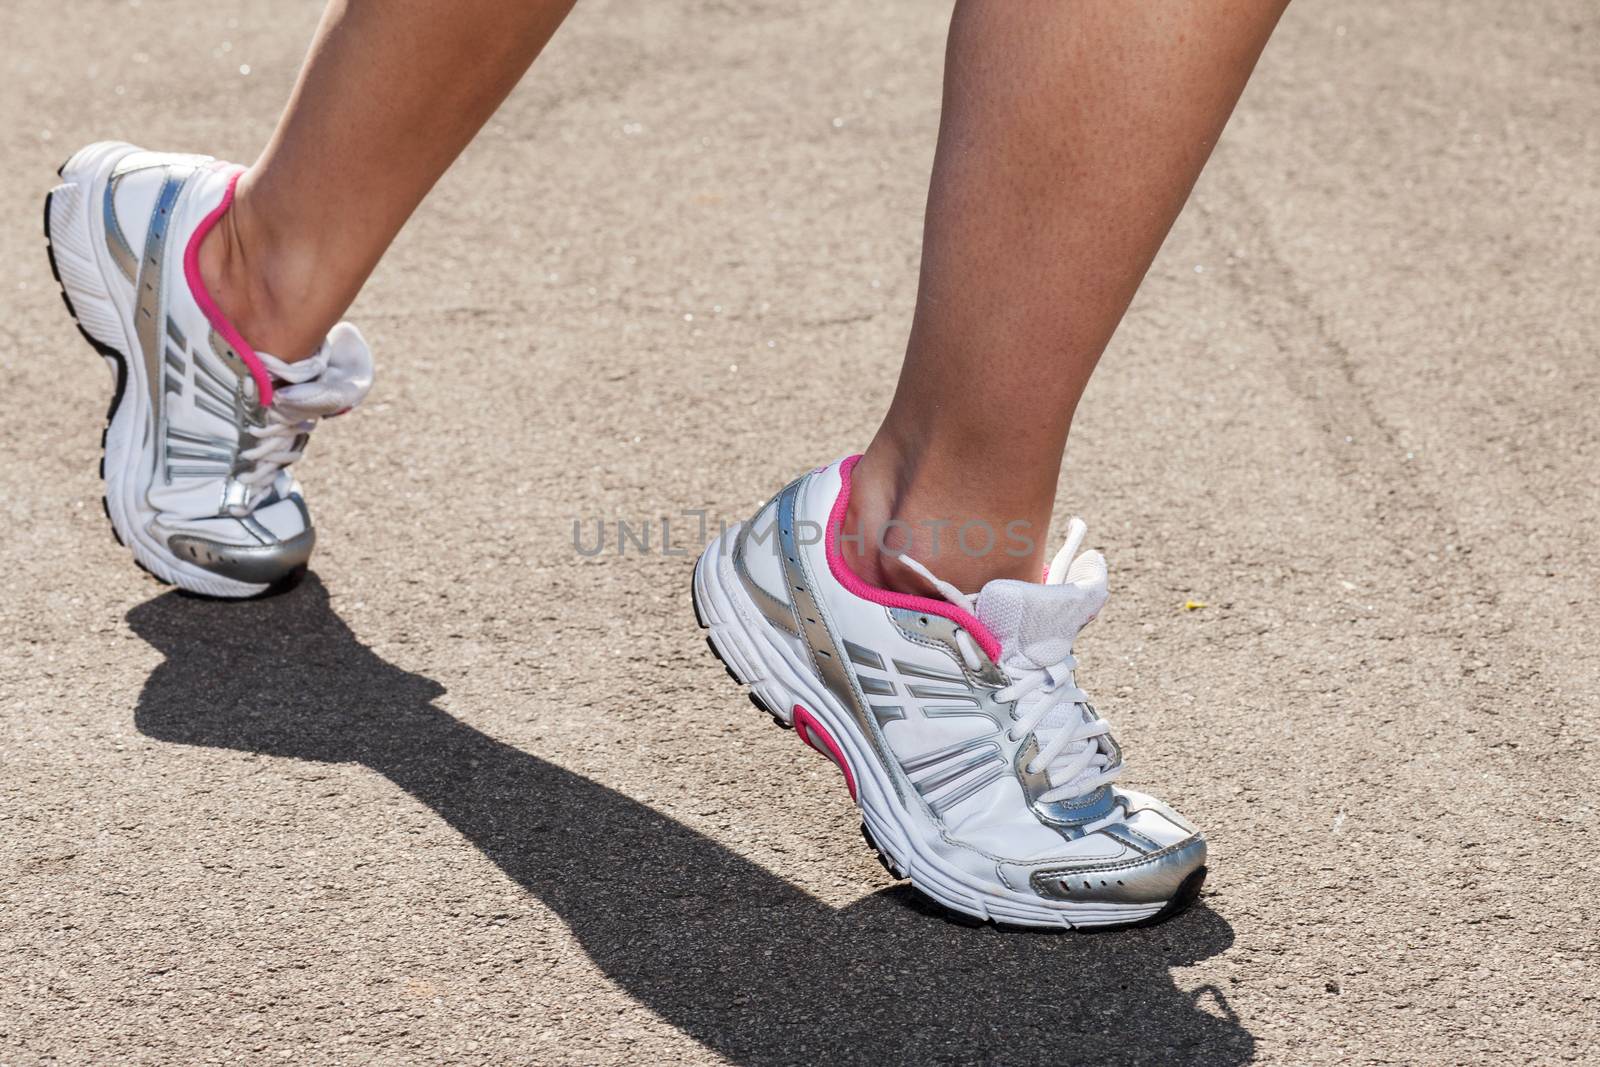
[809, 730]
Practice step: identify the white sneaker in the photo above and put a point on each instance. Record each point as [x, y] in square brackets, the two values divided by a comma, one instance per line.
[982, 771]
[202, 428]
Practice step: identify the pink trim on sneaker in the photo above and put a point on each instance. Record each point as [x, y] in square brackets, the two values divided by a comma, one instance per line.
[202, 295]
[809, 730]
[888, 598]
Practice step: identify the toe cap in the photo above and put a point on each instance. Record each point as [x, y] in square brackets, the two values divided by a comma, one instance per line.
[257, 564]
[261, 548]
[1153, 878]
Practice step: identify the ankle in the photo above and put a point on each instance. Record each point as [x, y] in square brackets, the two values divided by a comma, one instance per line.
[250, 278]
[933, 509]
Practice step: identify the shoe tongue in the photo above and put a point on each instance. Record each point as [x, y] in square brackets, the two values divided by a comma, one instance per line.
[336, 378]
[1036, 624]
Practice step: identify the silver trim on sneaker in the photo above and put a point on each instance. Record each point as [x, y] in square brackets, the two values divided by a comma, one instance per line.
[149, 313]
[1147, 880]
[117, 241]
[779, 613]
[864, 657]
[257, 564]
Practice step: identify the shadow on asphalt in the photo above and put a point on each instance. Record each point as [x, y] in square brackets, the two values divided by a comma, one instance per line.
[752, 967]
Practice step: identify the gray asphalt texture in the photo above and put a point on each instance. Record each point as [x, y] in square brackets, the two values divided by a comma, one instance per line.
[467, 795]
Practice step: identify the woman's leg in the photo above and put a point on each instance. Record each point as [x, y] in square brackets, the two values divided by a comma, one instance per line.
[1072, 134]
[390, 94]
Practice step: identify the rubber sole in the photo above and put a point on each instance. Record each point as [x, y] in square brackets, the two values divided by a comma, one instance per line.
[1185, 895]
[118, 362]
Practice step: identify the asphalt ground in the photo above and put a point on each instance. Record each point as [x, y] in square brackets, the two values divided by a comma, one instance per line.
[467, 794]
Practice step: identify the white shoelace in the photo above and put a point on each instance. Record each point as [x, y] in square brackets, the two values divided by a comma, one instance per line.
[1072, 755]
[335, 378]
[275, 449]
